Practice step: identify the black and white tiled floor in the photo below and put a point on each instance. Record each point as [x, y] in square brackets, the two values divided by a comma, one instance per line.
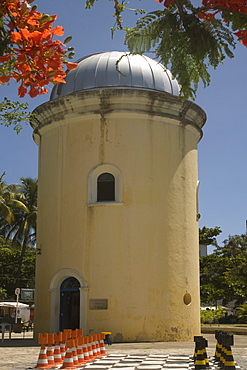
[147, 362]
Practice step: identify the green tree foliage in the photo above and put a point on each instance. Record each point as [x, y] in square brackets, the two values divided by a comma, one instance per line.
[9, 265]
[242, 313]
[3, 293]
[186, 37]
[14, 113]
[18, 215]
[224, 272]
[212, 316]
[208, 235]
[182, 42]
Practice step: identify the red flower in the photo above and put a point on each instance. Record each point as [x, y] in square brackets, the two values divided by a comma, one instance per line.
[5, 58]
[22, 91]
[36, 59]
[71, 66]
[4, 79]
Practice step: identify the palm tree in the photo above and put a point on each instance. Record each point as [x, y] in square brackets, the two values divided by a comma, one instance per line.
[20, 224]
[6, 193]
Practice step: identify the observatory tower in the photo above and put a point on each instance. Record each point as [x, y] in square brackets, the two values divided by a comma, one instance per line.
[117, 203]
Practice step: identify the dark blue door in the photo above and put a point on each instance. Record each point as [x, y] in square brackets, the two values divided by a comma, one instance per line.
[69, 304]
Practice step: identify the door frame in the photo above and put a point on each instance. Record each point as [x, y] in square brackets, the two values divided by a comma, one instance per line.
[54, 289]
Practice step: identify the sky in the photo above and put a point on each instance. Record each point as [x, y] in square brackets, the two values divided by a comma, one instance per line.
[222, 152]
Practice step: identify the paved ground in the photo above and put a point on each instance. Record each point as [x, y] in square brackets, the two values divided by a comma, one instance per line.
[22, 353]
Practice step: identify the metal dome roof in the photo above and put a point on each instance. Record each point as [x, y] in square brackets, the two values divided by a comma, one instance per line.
[98, 71]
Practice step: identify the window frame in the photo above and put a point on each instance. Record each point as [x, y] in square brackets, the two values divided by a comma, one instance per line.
[93, 182]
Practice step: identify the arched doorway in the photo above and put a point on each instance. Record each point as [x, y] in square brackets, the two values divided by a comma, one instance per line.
[69, 304]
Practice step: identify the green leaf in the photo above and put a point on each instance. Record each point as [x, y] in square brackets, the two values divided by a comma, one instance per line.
[185, 44]
[14, 113]
[68, 39]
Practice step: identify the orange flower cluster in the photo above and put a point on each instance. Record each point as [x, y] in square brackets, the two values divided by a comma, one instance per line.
[35, 59]
[239, 6]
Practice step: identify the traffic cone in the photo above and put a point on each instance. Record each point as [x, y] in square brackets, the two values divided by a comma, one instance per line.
[57, 351]
[68, 333]
[50, 351]
[80, 353]
[90, 349]
[77, 333]
[63, 344]
[97, 345]
[94, 348]
[68, 362]
[74, 351]
[42, 362]
[102, 344]
[85, 349]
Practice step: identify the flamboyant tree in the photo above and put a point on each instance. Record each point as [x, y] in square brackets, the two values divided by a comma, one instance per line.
[187, 36]
[29, 54]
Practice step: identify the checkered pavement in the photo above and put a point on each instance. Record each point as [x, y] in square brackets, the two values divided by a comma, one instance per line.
[147, 362]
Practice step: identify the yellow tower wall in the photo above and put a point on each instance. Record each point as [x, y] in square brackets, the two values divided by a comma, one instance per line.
[141, 253]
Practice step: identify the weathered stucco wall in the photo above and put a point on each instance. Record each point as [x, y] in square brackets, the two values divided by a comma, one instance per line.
[141, 254]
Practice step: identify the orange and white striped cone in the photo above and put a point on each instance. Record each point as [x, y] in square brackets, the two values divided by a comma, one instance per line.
[50, 356]
[90, 349]
[50, 350]
[57, 350]
[63, 344]
[68, 362]
[57, 355]
[102, 345]
[97, 345]
[94, 348]
[42, 360]
[75, 355]
[85, 349]
[63, 350]
[80, 351]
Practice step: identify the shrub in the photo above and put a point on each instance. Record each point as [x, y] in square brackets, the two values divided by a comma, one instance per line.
[242, 314]
[212, 316]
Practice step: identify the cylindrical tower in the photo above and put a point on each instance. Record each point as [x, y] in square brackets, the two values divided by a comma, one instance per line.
[117, 204]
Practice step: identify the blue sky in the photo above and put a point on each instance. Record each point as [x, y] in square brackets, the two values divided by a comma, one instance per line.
[222, 150]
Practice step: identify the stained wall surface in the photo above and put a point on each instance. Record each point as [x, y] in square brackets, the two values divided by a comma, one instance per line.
[138, 256]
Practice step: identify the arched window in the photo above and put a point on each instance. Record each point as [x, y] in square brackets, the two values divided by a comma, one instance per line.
[105, 184]
[70, 283]
[105, 187]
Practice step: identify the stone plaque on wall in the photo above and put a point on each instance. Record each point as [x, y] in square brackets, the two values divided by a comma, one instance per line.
[98, 304]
